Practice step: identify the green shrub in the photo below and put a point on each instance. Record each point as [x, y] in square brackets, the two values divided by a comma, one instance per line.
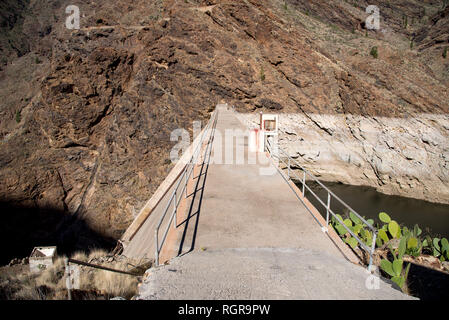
[384, 217]
[412, 238]
[395, 269]
[439, 248]
[18, 116]
[352, 242]
[374, 52]
[411, 242]
[262, 74]
[394, 229]
[445, 53]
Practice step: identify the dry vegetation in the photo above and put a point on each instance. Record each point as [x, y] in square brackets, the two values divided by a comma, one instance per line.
[18, 283]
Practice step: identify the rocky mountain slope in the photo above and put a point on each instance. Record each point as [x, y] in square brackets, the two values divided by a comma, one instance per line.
[86, 114]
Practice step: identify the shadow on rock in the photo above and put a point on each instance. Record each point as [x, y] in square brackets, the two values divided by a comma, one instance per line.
[24, 228]
[428, 284]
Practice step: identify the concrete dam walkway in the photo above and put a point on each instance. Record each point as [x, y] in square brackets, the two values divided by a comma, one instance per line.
[243, 233]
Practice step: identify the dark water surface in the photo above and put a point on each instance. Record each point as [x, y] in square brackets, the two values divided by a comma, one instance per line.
[431, 217]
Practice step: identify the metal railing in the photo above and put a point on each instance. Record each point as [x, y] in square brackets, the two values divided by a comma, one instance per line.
[175, 197]
[327, 206]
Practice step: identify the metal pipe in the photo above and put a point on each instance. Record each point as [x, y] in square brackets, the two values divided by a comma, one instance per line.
[304, 185]
[328, 208]
[157, 246]
[166, 209]
[166, 231]
[101, 267]
[192, 161]
[333, 194]
[316, 197]
[373, 248]
[362, 244]
[175, 211]
[171, 197]
[185, 186]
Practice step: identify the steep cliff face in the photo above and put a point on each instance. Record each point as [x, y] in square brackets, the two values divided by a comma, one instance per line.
[379, 122]
[86, 114]
[13, 40]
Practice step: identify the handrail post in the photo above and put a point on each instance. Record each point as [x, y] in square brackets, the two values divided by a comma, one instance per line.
[304, 185]
[185, 176]
[373, 247]
[157, 246]
[289, 167]
[175, 211]
[328, 207]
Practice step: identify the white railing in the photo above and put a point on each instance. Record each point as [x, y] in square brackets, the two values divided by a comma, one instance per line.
[330, 195]
[175, 197]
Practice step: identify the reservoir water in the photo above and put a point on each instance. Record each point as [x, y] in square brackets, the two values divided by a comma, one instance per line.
[433, 218]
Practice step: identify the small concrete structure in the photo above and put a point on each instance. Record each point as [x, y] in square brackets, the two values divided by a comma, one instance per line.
[270, 123]
[41, 258]
[268, 127]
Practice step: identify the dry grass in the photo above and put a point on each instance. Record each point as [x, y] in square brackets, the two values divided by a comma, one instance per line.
[81, 256]
[26, 289]
[50, 283]
[116, 284]
[53, 277]
[29, 293]
[97, 253]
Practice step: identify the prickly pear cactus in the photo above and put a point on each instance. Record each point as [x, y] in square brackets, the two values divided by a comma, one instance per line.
[385, 218]
[412, 243]
[394, 229]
